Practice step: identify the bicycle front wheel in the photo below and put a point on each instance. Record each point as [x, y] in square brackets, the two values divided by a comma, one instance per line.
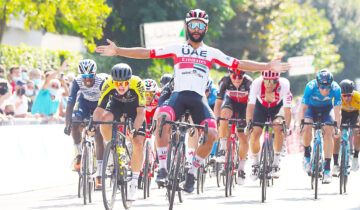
[109, 176]
[228, 171]
[317, 171]
[146, 170]
[342, 169]
[263, 172]
[176, 176]
[85, 174]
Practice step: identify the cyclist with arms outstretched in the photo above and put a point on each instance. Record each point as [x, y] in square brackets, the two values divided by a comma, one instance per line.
[192, 62]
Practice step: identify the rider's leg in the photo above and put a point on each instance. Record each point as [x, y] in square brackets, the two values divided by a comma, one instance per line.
[355, 162]
[163, 141]
[306, 137]
[243, 150]
[328, 145]
[278, 141]
[192, 145]
[224, 133]
[106, 130]
[255, 144]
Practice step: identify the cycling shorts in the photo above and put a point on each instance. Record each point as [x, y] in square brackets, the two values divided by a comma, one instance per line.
[238, 109]
[312, 112]
[195, 103]
[351, 117]
[261, 112]
[84, 108]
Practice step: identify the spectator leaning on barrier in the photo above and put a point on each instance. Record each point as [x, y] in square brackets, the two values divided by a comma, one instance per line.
[20, 100]
[2, 72]
[14, 76]
[48, 99]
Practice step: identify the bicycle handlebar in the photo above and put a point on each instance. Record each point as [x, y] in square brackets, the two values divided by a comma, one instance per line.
[318, 125]
[238, 122]
[252, 124]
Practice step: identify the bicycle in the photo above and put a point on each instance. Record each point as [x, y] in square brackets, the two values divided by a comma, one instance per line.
[116, 173]
[317, 159]
[345, 154]
[88, 164]
[149, 163]
[266, 155]
[202, 172]
[176, 172]
[232, 157]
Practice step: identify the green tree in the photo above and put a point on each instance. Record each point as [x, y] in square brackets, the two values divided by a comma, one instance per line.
[85, 18]
[345, 20]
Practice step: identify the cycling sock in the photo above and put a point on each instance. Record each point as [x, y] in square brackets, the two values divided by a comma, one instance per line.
[356, 154]
[135, 176]
[99, 167]
[255, 158]
[276, 158]
[242, 164]
[162, 156]
[336, 159]
[327, 164]
[78, 148]
[223, 142]
[196, 164]
[307, 151]
[190, 154]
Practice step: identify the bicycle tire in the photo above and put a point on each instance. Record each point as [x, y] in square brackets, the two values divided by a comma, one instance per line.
[84, 168]
[228, 166]
[80, 186]
[182, 175]
[170, 166]
[110, 170]
[124, 177]
[198, 181]
[203, 178]
[316, 164]
[146, 170]
[263, 172]
[342, 169]
[178, 158]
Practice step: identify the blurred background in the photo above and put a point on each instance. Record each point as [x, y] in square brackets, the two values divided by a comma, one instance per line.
[41, 34]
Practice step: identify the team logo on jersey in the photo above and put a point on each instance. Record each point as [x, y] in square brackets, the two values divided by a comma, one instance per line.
[187, 51]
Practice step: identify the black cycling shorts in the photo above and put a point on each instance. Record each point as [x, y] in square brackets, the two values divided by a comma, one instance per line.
[195, 103]
[349, 116]
[261, 112]
[118, 109]
[238, 109]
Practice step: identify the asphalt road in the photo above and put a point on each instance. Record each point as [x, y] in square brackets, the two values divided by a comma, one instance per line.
[292, 191]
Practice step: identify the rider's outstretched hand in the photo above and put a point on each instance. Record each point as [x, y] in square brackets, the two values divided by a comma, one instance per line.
[277, 66]
[107, 50]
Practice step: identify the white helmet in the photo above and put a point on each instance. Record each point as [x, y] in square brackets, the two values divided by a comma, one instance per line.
[197, 14]
[150, 85]
[87, 66]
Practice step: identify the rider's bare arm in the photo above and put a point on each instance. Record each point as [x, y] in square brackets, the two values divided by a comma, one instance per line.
[287, 116]
[274, 65]
[112, 49]
[249, 112]
[140, 117]
[337, 115]
[303, 108]
[217, 108]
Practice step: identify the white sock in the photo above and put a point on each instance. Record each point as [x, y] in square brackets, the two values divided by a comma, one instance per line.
[135, 176]
[223, 142]
[99, 167]
[162, 153]
[276, 158]
[196, 164]
[255, 158]
[242, 164]
[190, 154]
[78, 148]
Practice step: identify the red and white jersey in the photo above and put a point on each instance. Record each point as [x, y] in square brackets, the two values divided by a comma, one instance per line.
[150, 109]
[282, 93]
[192, 66]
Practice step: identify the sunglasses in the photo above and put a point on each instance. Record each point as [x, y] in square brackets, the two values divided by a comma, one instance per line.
[55, 86]
[325, 87]
[200, 26]
[121, 83]
[149, 94]
[347, 95]
[84, 76]
[270, 81]
[234, 76]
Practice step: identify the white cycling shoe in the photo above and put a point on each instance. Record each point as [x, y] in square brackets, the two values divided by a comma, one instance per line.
[355, 164]
[133, 186]
[336, 170]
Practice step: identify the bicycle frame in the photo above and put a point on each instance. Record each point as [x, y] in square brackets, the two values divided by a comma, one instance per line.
[317, 143]
[345, 143]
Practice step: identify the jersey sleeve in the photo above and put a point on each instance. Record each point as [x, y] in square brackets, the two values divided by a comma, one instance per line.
[105, 93]
[307, 93]
[337, 95]
[222, 89]
[73, 92]
[224, 60]
[140, 90]
[255, 88]
[165, 52]
[286, 94]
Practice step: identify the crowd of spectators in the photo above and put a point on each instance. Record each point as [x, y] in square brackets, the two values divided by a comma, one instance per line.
[33, 94]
